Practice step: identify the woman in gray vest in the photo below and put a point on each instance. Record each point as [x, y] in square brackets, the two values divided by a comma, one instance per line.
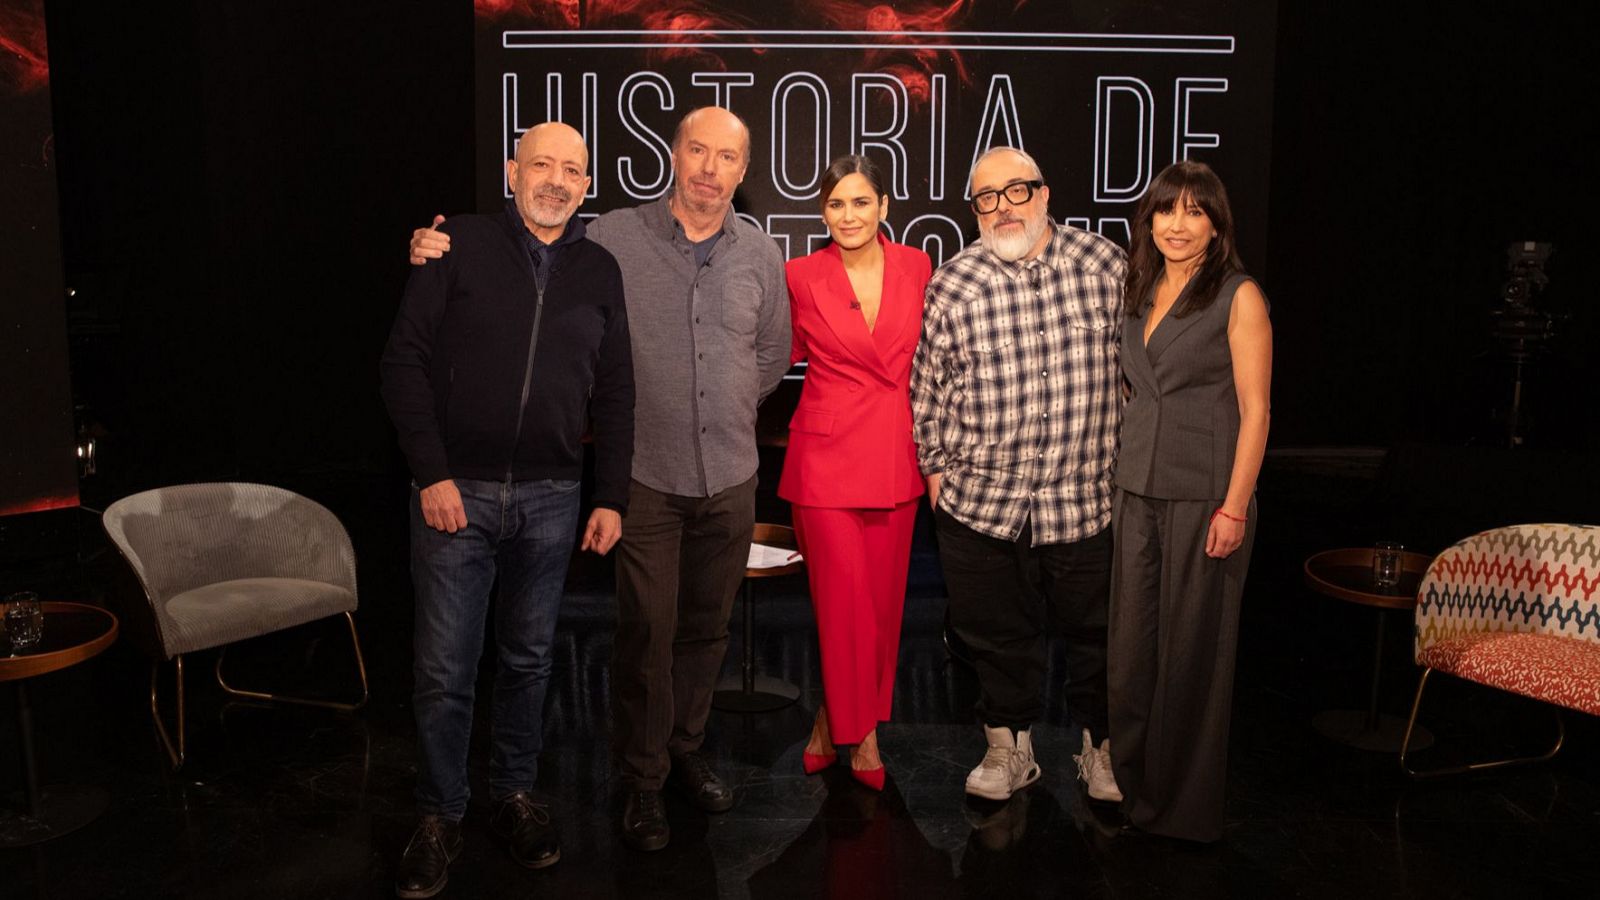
[1197, 357]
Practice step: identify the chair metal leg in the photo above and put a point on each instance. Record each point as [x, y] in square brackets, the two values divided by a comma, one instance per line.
[361, 668]
[1405, 744]
[175, 753]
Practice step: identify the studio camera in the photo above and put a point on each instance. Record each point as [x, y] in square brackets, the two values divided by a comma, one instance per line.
[1522, 330]
[1520, 325]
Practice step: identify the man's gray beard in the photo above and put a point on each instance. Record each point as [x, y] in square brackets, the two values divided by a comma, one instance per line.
[552, 220]
[1011, 249]
[543, 218]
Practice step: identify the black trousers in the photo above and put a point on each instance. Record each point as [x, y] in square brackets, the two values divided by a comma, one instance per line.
[1008, 597]
[679, 565]
[1174, 631]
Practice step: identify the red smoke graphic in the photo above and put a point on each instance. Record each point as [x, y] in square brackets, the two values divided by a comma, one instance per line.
[913, 64]
[534, 13]
[24, 56]
[681, 17]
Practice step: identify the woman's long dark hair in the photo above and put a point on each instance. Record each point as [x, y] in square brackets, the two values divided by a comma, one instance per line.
[845, 166]
[1195, 181]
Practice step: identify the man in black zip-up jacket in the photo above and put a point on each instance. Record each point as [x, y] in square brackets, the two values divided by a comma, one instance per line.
[495, 359]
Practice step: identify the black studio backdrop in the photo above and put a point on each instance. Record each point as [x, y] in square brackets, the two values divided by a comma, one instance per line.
[238, 182]
[1409, 149]
[37, 468]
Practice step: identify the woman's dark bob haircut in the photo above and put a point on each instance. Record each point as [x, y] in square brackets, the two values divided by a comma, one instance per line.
[1182, 182]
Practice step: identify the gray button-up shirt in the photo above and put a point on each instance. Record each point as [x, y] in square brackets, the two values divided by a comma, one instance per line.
[709, 343]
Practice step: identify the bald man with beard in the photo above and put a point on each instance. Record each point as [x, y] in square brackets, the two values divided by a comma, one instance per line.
[497, 357]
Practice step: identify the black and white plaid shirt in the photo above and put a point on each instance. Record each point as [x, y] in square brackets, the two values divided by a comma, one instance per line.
[1015, 388]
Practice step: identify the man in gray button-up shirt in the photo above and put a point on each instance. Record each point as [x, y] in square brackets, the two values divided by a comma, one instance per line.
[709, 316]
[713, 340]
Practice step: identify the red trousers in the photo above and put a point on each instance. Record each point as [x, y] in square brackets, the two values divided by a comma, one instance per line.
[857, 561]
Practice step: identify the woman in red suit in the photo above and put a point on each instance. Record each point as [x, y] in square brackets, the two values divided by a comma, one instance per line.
[851, 469]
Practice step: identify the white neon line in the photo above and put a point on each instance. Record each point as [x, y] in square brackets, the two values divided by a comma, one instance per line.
[1065, 35]
[722, 45]
[947, 40]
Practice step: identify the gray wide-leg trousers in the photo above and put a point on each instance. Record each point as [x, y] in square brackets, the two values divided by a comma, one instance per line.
[1173, 633]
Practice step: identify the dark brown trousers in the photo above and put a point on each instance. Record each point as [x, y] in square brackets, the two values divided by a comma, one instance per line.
[679, 565]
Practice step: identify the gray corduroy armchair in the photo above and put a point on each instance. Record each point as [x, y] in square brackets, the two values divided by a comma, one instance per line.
[223, 562]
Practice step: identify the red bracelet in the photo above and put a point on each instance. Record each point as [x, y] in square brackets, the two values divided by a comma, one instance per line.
[1219, 512]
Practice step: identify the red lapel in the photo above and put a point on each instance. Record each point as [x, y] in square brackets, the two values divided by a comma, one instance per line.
[900, 298]
[836, 303]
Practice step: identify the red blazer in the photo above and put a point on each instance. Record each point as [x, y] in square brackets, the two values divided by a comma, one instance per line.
[850, 439]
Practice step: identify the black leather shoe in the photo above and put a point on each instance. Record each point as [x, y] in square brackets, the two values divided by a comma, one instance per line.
[425, 865]
[693, 775]
[526, 828]
[644, 821]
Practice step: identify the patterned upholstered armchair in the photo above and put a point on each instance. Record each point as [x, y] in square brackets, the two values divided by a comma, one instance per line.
[220, 563]
[1517, 609]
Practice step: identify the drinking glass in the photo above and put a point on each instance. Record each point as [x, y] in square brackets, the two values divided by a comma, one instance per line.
[1386, 564]
[24, 620]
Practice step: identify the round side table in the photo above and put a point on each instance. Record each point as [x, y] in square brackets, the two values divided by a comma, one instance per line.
[1347, 575]
[752, 693]
[73, 632]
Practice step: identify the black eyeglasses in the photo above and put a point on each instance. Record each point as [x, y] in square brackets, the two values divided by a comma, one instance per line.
[1017, 193]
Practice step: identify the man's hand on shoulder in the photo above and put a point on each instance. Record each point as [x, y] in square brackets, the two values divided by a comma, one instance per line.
[603, 530]
[429, 243]
[441, 507]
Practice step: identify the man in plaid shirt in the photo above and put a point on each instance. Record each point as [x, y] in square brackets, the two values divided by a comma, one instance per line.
[1016, 398]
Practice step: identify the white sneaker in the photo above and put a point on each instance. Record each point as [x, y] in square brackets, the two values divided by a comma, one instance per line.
[1094, 770]
[1007, 767]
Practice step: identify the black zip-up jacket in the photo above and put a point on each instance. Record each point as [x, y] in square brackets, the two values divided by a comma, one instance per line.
[475, 336]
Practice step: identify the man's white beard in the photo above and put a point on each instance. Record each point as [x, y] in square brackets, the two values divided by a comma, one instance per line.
[551, 219]
[1015, 247]
[553, 215]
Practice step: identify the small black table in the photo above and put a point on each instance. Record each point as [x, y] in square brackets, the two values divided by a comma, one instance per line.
[1347, 575]
[752, 693]
[73, 632]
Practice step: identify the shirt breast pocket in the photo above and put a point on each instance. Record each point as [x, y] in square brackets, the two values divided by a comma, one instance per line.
[741, 305]
[1087, 317]
[993, 360]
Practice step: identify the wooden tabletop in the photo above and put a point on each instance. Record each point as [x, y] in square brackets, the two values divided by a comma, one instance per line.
[73, 632]
[1347, 575]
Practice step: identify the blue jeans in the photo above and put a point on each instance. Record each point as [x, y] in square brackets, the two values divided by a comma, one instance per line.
[523, 532]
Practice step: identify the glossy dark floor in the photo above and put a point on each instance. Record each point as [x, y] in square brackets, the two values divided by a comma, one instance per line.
[290, 803]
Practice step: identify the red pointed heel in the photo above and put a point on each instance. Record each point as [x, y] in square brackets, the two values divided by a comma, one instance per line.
[872, 778]
[816, 762]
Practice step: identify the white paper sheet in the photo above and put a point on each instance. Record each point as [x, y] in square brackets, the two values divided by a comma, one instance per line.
[765, 556]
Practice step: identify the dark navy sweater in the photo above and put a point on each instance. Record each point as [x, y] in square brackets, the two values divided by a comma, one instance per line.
[458, 364]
